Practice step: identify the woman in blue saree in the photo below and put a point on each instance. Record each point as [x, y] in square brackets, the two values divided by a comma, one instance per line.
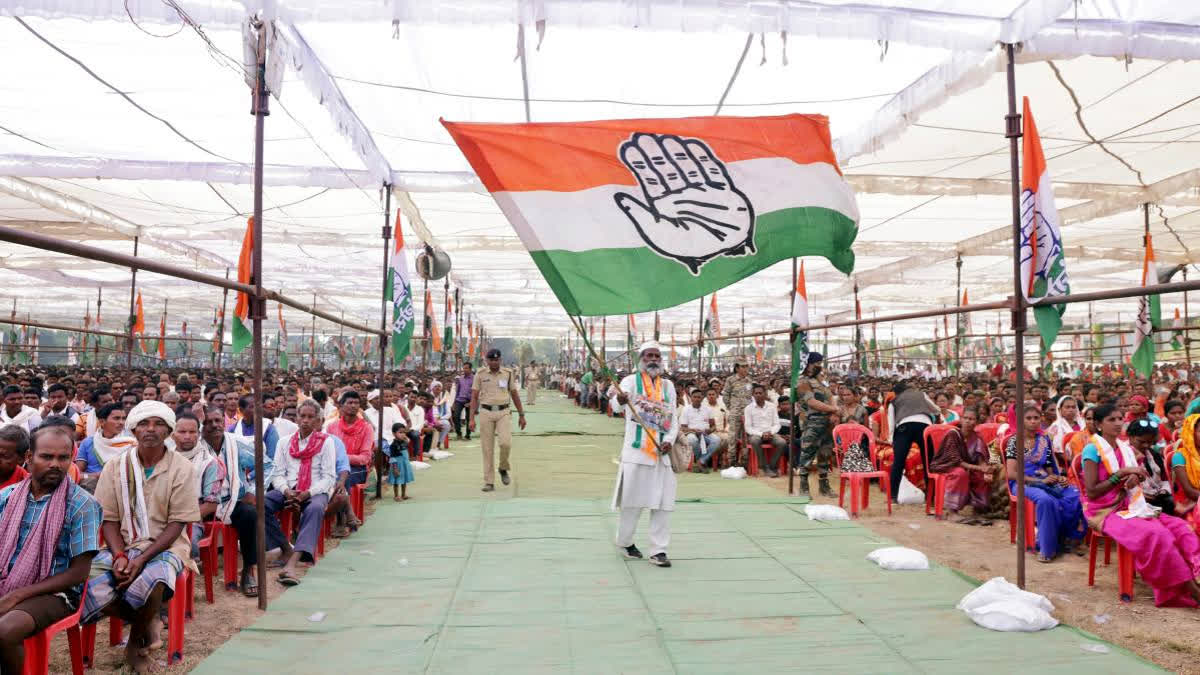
[1059, 513]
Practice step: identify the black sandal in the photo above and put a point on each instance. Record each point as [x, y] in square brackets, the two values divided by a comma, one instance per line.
[288, 580]
[249, 586]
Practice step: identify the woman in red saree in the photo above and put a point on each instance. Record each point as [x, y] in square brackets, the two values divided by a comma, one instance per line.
[963, 458]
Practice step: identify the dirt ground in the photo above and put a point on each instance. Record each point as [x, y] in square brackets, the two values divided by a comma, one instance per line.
[1166, 636]
[211, 627]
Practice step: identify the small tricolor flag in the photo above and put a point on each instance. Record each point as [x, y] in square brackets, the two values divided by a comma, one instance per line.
[1149, 316]
[664, 210]
[242, 337]
[799, 323]
[283, 339]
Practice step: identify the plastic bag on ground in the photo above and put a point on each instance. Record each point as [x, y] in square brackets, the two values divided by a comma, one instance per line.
[440, 455]
[825, 512]
[909, 493]
[899, 558]
[417, 466]
[999, 588]
[733, 472]
[1012, 615]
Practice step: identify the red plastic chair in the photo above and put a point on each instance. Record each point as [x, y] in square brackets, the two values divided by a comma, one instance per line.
[1125, 568]
[358, 502]
[208, 555]
[987, 432]
[180, 608]
[1030, 519]
[37, 647]
[935, 483]
[860, 481]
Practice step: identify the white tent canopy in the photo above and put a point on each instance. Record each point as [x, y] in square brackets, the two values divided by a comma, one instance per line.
[122, 118]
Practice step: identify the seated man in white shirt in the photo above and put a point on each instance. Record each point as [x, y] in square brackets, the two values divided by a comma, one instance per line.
[715, 409]
[14, 411]
[696, 430]
[761, 422]
[302, 477]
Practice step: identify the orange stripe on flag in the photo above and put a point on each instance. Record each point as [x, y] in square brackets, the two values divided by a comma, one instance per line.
[1147, 261]
[242, 308]
[139, 324]
[570, 156]
[1034, 165]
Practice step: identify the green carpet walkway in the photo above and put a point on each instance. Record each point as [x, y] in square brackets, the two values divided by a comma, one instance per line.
[527, 580]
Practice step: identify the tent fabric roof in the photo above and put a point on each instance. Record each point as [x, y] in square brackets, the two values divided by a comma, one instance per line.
[120, 119]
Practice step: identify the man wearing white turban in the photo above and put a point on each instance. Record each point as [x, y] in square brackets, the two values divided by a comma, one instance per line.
[645, 478]
[149, 495]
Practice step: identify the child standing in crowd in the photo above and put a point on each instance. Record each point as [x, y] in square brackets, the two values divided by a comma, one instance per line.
[400, 471]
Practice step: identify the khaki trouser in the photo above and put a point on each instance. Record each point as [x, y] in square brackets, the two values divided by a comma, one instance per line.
[493, 423]
[530, 390]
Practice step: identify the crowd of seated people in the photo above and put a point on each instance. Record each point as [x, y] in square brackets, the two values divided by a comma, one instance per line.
[114, 475]
[1102, 448]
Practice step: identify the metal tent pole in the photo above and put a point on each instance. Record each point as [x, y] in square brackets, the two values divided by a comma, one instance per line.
[700, 339]
[258, 308]
[445, 320]
[312, 338]
[132, 309]
[427, 330]
[386, 233]
[221, 329]
[1187, 336]
[100, 300]
[958, 322]
[1013, 132]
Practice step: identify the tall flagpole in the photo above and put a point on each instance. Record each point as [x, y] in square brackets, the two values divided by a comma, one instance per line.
[258, 305]
[132, 309]
[1013, 132]
[220, 351]
[386, 233]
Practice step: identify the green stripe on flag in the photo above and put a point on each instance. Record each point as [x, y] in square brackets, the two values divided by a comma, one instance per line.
[242, 337]
[623, 280]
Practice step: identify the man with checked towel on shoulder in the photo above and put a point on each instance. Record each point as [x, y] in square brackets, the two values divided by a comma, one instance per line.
[48, 536]
[645, 478]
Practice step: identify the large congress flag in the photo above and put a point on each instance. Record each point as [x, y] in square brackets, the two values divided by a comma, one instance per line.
[635, 215]
[1043, 265]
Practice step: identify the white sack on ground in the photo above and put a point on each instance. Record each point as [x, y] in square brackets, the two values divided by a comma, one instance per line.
[825, 512]
[899, 558]
[909, 493]
[733, 472]
[1001, 606]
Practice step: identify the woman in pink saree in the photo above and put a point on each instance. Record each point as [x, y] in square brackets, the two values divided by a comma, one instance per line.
[1166, 552]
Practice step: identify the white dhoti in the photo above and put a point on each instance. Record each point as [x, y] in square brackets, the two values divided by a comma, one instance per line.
[645, 482]
[639, 487]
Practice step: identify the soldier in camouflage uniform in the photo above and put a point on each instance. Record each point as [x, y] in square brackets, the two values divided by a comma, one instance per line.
[816, 437]
[737, 395]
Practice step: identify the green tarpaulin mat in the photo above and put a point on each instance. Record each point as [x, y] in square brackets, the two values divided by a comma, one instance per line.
[527, 580]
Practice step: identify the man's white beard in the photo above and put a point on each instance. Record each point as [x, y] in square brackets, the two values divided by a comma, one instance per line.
[652, 369]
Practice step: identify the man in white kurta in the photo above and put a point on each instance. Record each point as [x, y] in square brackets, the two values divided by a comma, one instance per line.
[645, 479]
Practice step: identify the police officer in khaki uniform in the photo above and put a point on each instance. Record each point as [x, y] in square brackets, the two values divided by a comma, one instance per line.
[492, 390]
[533, 378]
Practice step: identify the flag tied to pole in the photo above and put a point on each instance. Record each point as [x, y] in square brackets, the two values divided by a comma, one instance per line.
[799, 335]
[1043, 265]
[1149, 317]
[242, 337]
[399, 292]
